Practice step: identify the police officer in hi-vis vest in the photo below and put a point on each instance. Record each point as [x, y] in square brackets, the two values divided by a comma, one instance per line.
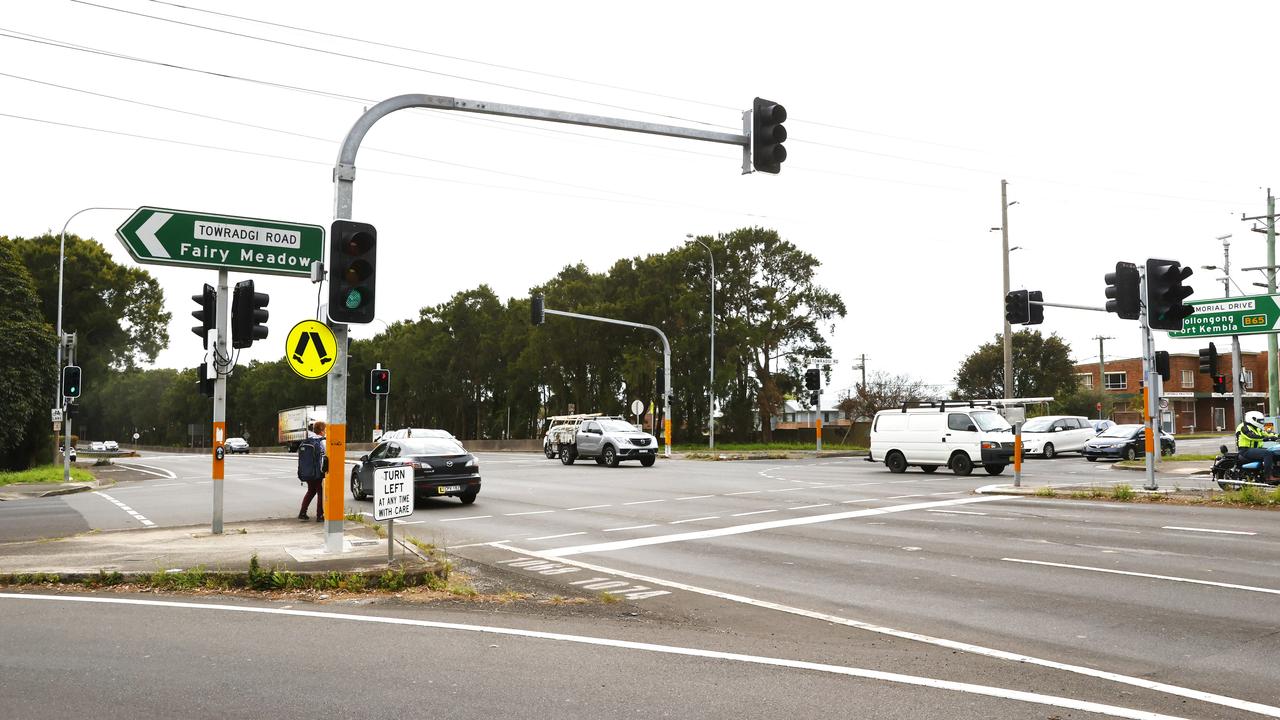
[1249, 439]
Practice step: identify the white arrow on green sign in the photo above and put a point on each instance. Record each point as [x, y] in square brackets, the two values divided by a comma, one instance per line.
[223, 242]
[1247, 315]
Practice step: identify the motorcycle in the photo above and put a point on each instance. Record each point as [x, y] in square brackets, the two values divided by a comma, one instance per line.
[1232, 472]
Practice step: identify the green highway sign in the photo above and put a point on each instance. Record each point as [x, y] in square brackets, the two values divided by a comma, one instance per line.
[1248, 315]
[222, 242]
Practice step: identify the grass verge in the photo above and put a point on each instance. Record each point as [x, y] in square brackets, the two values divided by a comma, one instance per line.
[751, 447]
[43, 474]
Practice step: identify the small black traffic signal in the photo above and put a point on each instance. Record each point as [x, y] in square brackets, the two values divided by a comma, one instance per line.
[1017, 309]
[813, 399]
[204, 383]
[1124, 291]
[207, 314]
[1209, 360]
[1162, 364]
[812, 379]
[1165, 294]
[1219, 383]
[662, 384]
[353, 261]
[767, 135]
[379, 381]
[537, 315]
[71, 381]
[73, 410]
[248, 315]
[1035, 313]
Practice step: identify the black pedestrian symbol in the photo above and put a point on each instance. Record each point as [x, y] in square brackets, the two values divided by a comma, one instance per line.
[307, 338]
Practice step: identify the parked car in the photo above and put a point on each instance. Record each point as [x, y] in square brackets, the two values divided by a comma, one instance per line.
[441, 467]
[97, 446]
[236, 445]
[111, 446]
[416, 433]
[1125, 442]
[62, 449]
[1100, 426]
[1049, 435]
[952, 434]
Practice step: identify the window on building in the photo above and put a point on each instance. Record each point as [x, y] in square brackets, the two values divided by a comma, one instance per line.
[1248, 378]
[1188, 379]
[1085, 380]
[1117, 381]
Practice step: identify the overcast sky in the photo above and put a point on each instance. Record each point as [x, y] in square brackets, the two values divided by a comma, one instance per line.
[1125, 130]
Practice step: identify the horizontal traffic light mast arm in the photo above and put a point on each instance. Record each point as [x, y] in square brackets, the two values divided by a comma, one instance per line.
[666, 346]
[1065, 305]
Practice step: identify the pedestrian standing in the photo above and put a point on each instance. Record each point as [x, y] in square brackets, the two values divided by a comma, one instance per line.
[312, 465]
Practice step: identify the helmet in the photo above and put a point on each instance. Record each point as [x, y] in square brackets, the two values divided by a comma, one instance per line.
[1253, 418]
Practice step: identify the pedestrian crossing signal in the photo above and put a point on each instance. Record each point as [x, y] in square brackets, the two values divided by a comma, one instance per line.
[380, 381]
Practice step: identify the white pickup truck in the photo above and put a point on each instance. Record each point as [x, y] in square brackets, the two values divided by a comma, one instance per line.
[607, 440]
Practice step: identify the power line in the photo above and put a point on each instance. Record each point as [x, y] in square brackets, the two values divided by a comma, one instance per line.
[401, 66]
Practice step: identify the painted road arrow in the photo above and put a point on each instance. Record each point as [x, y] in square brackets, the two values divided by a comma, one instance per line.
[1247, 315]
[222, 242]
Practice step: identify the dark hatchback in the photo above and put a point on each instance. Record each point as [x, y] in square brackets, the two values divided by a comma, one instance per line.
[1124, 442]
[441, 467]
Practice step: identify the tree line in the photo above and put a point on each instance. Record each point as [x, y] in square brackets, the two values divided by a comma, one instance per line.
[473, 365]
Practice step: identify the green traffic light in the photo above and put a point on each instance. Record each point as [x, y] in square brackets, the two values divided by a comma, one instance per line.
[354, 299]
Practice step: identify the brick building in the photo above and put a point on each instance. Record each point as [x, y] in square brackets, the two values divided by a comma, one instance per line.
[1193, 406]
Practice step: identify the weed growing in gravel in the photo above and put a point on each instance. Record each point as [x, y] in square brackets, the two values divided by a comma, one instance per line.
[1122, 492]
[1046, 491]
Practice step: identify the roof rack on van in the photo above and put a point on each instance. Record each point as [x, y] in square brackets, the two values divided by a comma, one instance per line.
[942, 405]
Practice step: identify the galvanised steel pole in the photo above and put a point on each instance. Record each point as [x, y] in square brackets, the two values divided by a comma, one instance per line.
[1008, 340]
[711, 389]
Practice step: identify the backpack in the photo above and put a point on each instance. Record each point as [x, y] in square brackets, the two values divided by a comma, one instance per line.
[311, 459]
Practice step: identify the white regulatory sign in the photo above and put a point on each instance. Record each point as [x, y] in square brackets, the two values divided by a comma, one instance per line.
[392, 493]
[57, 415]
[637, 407]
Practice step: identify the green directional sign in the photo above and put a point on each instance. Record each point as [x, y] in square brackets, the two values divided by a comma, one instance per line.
[1248, 315]
[223, 242]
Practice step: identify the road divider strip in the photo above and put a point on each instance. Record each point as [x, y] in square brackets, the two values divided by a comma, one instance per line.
[935, 683]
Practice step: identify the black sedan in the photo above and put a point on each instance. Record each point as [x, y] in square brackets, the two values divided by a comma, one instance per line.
[441, 467]
[1124, 442]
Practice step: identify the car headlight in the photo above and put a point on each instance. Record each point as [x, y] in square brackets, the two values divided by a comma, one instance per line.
[473, 463]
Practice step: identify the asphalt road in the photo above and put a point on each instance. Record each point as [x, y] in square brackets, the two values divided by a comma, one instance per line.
[1166, 609]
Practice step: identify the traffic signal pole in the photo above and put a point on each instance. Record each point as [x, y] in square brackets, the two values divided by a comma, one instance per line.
[1148, 397]
[221, 361]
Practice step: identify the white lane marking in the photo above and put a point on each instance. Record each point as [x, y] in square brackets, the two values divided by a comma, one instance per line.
[587, 507]
[787, 489]
[531, 512]
[954, 492]
[479, 544]
[1109, 571]
[695, 497]
[768, 525]
[157, 471]
[1207, 530]
[754, 512]
[469, 517]
[552, 537]
[643, 502]
[709, 517]
[956, 512]
[806, 507]
[1179, 691]
[901, 497]
[744, 492]
[136, 515]
[630, 527]
[411, 522]
[846, 502]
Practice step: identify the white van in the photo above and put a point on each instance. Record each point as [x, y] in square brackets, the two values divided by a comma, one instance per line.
[956, 435]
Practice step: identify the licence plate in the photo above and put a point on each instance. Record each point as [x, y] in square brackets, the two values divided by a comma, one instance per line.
[448, 489]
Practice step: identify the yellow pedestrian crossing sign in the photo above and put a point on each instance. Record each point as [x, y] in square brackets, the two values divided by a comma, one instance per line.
[310, 349]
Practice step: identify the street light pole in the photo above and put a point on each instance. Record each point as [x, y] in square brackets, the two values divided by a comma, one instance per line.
[711, 388]
[1004, 236]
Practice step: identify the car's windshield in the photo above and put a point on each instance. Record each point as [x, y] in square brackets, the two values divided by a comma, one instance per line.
[616, 426]
[990, 421]
[430, 446]
[1120, 431]
[1040, 424]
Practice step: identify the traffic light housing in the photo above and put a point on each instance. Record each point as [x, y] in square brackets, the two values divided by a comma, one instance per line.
[204, 383]
[71, 381]
[1209, 360]
[207, 314]
[537, 315]
[1124, 291]
[248, 315]
[767, 135]
[1035, 313]
[353, 256]
[1162, 364]
[812, 379]
[813, 399]
[379, 381]
[1017, 309]
[1219, 383]
[1165, 294]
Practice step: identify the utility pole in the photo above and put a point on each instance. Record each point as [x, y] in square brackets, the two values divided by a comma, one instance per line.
[1237, 391]
[862, 365]
[1102, 373]
[1004, 235]
[1269, 227]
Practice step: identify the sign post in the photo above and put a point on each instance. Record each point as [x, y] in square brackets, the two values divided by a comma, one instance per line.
[392, 498]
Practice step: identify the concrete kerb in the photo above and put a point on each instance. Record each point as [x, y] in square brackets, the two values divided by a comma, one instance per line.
[28, 491]
[717, 456]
